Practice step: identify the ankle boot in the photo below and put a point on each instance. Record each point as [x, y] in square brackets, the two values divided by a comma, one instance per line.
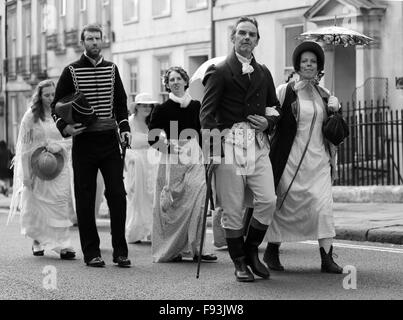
[328, 265]
[236, 251]
[271, 257]
[252, 242]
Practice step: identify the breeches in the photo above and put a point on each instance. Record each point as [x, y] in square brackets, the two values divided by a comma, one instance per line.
[233, 191]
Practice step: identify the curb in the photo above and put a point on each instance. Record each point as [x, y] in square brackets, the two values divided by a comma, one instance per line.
[390, 234]
[366, 194]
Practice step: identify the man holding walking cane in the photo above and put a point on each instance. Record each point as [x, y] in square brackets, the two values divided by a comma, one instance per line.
[240, 102]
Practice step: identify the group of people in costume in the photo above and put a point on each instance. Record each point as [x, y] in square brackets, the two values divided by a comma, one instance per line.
[269, 157]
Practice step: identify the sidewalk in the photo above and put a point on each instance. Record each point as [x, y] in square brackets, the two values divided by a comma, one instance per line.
[376, 222]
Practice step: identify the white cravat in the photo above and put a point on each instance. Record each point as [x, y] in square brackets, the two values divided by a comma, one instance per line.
[246, 67]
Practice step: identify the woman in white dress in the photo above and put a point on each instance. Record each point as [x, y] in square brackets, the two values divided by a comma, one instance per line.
[181, 180]
[141, 172]
[45, 202]
[303, 162]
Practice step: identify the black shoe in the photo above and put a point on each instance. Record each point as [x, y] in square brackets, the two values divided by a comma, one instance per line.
[328, 264]
[242, 272]
[122, 262]
[178, 258]
[67, 255]
[38, 253]
[271, 257]
[37, 249]
[96, 262]
[205, 257]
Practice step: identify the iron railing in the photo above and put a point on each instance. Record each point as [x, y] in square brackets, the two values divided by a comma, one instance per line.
[373, 153]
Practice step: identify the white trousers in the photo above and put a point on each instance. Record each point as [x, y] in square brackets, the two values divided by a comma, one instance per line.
[232, 191]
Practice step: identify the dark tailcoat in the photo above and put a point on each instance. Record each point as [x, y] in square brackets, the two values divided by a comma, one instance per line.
[230, 97]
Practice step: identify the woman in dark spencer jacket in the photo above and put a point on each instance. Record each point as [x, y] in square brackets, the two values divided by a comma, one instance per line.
[178, 213]
[303, 162]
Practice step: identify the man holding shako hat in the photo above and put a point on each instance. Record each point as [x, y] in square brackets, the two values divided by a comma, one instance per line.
[95, 147]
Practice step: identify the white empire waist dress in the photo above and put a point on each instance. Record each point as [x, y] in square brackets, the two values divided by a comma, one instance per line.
[307, 211]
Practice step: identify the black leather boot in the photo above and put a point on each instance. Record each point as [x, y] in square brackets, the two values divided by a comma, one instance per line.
[328, 265]
[242, 272]
[271, 257]
[236, 251]
[252, 242]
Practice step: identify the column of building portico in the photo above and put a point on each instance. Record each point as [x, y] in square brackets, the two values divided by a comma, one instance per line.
[362, 67]
[369, 63]
[329, 77]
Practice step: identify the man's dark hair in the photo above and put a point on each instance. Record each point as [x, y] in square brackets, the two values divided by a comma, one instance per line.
[91, 28]
[245, 19]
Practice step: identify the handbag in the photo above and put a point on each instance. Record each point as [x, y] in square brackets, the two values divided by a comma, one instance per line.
[335, 129]
[75, 108]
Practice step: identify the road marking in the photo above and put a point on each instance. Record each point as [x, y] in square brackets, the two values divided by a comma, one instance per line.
[361, 247]
[348, 246]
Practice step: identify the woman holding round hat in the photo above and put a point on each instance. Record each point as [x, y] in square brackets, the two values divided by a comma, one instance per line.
[181, 183]
[140, 172]
[42, 189]
[303, 162]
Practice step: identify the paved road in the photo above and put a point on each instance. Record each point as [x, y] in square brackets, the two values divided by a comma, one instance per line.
[379, 274]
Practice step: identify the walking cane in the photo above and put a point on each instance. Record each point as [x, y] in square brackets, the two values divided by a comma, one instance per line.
[210, 169]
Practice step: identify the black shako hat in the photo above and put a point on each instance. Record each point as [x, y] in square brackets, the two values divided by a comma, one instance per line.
[312, 47]
[75, 108]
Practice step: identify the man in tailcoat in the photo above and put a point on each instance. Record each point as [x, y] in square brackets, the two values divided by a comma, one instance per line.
[240, 97]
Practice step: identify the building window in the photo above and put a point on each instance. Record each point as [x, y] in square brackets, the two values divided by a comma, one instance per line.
[291, 33]
[161, 8]
[106, 21]
[62, 8]
[82, 20]
[196, 4]
[43, 16]
[42, 43]
[26, 44]
[61, 26]
[163, 63]
[15, 123]
[134, 76]
[2, 67]
[83, 5]
[130, 11]
[12, 40]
